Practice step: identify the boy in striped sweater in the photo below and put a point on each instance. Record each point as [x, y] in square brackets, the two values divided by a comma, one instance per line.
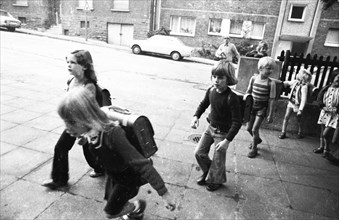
[263, 90]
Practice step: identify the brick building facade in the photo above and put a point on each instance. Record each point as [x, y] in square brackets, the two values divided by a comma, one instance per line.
[299, 26]
[115, 22]
[34, 14]
[211, 20]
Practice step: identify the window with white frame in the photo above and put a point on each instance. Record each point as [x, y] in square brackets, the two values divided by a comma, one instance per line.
[120, 5]
[85, 4]
[246, 29]
[214, 26]
[235, 28]
[182, 25]
[297, 13]
[82, 24]
[332, 38]
[21, 2]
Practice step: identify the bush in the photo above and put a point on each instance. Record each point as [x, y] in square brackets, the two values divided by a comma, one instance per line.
[160, 31]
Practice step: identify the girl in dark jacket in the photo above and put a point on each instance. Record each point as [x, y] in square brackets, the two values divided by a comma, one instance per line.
[125, 167]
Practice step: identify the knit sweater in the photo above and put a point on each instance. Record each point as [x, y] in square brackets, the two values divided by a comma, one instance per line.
[225, 110]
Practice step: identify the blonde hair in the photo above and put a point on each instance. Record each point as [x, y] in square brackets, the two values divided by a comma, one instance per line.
[305, 74]
[266, 61]
[225, 68]
[80, 107]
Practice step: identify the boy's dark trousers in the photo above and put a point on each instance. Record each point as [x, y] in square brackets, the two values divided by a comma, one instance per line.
[60, 161]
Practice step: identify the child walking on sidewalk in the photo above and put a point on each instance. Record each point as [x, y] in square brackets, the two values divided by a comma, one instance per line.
[297, 100]
[263, 90]
[224, 123]
[127, 170]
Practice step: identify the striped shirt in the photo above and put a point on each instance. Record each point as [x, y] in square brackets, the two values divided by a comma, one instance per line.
[261, 89]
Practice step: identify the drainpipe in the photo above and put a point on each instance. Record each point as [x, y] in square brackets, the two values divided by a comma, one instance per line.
[151, 20]
[314, 27]
[277, 33]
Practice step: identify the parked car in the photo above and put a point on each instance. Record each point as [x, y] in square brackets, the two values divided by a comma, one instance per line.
[164, 45]
[8, 21]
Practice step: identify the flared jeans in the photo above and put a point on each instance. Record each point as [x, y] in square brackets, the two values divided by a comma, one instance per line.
[215, 168]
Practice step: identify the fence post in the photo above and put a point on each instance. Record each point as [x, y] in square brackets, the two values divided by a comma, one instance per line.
[285, 65]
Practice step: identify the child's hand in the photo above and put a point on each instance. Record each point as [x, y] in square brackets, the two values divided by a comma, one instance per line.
[169, 201]
[195, 122]
[269, 119]
[222, 145]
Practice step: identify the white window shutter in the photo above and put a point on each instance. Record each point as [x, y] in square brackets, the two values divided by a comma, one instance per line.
[225, 27]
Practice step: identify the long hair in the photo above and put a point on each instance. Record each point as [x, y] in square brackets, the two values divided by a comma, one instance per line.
[80, 107]
[84, 58]
[225, 68]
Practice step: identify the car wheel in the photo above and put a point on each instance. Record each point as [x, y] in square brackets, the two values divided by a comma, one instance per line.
[136, 49]
[11, 29]
[176, 56]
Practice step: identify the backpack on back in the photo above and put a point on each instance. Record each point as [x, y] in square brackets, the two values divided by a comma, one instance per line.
[246, 102]
[138, 128]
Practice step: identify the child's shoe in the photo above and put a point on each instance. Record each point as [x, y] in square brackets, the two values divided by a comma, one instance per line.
[259, 142]
[213, 186]
[53, 185]
[318, 150]
[326, 154]
[253, 152]
[282, 135]
[138, 212]
[95, 174]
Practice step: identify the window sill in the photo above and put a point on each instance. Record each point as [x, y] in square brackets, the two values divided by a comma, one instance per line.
[20, 5]
[331, 45]
[120, 10]
[79, 9]
[296, 20]
[182, 34]
[214, 34]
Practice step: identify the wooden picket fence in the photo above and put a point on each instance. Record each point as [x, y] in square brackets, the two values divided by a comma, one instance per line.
[320, 68]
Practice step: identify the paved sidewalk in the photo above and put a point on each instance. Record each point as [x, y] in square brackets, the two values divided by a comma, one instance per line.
[286, 180]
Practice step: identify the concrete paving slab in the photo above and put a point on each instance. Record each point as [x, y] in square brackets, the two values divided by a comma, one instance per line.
[6, 180]
[21, 135]
[45, 122]
[176, 151]
[41, 107]
[20, 116]
[318, 161]
[25, 200]
[263, 198]
[292, 156]
[258, 167]
[172, 172]
[5, 125]
[88, 187]
[77, 170]
[308, 176]
[312, 199]
[45, 143]
[70, 206]
[5, 147]
[155, 205]
[206, 206]
[21, 161]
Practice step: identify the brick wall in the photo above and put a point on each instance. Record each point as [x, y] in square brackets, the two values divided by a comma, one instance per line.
[329, 19]
[102, 14]
[235, 10]
[37, 13]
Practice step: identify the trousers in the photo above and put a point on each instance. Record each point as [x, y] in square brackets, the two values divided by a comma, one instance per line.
[215, 168]
[60, 168]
